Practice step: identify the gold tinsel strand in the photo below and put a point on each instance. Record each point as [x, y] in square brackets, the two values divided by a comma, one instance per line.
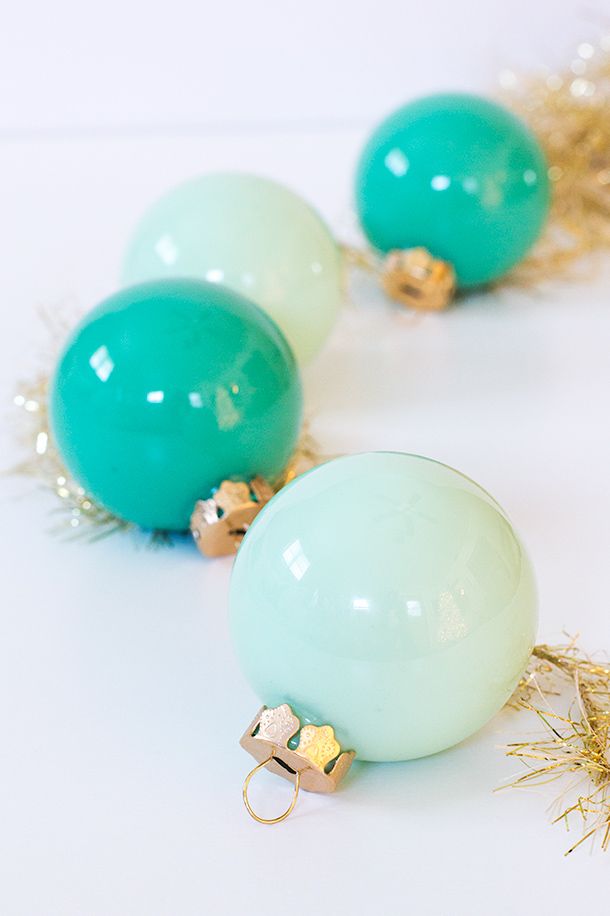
[575, 747]
[79, 511]
[569, 112]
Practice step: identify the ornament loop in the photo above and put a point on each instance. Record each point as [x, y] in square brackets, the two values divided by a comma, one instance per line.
[252, 813]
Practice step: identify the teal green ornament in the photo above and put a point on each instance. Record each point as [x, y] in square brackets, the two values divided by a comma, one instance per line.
[389, 596]
[165, 389]
[254, 236]
[458, 175]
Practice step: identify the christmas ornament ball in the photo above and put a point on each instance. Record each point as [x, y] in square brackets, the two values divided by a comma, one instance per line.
[459, 175]
[165, 389]
[389, 596]
[254, 236]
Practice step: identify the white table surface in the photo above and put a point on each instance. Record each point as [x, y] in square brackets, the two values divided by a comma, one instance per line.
[121, 702]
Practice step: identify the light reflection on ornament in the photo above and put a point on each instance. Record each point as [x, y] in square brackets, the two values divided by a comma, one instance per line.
[440, 182]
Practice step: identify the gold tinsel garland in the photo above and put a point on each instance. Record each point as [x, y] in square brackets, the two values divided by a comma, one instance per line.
[575, 746]
[78, 510]
[569, 112]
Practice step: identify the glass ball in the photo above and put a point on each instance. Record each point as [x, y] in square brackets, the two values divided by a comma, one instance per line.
[254, 236]
[459, 175]
[388, 595]
[165, 389]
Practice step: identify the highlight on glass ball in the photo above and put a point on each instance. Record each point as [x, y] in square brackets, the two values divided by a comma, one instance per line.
[459, 175]
[256, 237]
[385, 601]
[166, 389]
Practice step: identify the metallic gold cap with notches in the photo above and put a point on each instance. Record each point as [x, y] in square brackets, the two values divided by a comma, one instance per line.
[315, 763]
[219, 524]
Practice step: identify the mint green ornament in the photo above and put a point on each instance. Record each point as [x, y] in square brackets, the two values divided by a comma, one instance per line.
[165, 389]
[389, 596]
[459, 175]
[254, 236]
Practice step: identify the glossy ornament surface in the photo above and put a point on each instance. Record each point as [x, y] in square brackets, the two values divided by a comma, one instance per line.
[388, 595]
[167, 388]
[254, 236]
[459, 175]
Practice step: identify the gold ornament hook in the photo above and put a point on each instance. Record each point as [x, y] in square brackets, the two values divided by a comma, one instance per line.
[249, 809]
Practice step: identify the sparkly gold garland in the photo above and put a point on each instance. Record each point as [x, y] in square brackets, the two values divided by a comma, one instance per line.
[78, 510]
[569, 112]
[575, 746]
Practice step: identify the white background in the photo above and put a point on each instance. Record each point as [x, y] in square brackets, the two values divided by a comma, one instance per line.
[120, 700]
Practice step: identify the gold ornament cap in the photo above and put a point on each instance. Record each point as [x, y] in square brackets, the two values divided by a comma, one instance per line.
[418, 280]
[316, 763]
[219, 524]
